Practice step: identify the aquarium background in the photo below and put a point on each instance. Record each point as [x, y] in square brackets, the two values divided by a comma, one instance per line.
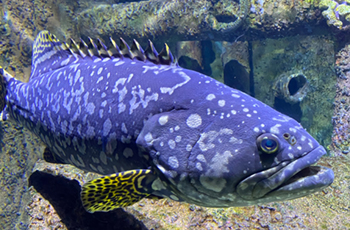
[261, 47]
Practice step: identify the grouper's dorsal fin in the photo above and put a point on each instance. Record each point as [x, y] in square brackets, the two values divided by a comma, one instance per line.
[99, 49]
[48, 54]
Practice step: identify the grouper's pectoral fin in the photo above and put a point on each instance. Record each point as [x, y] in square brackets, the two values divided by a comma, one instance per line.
[117, 190]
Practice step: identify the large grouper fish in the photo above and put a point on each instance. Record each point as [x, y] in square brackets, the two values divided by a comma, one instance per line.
[154, 129]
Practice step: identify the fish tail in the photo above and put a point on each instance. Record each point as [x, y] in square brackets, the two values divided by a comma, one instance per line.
[4, 77]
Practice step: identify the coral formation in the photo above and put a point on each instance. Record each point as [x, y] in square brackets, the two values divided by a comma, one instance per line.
[336, 13]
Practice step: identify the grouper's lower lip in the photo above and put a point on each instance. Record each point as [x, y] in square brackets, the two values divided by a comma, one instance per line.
[288, 180]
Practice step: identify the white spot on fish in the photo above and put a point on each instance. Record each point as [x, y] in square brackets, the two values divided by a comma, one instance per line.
[121, 107]
[77, 76]
[119, 63]
[282, 119]
[128, 152]
[275, 129]
[99, 79]
[103, 158]
[171, 90]
[194, 120]
[199, 166]
[120, 81]
[201, 158]
[107, 125]
[90, 108]
[149, 138]
[124, 129]
[291, 156]
[173, 162]
[177, 138]
[310, 144]
[221, 103]
[171, 144]
[130, 77]
[210, 97]
[246, 110]
[293, 130]
[163, 119]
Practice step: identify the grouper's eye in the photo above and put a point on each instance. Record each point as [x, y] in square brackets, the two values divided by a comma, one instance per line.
[268, 143]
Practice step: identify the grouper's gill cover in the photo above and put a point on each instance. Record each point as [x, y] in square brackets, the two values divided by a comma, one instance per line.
[163, 130]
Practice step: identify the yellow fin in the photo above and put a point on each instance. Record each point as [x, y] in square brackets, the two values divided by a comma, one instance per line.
[117, 190]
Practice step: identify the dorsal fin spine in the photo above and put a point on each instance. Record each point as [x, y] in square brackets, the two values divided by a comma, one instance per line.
[93, 50]
[71, 50]
[116, 52]
[151, 53]
[78, 48]
[137, 51]
[125, 49]
[102, 48]
[85, 48]
[165, 55]
[99, 49]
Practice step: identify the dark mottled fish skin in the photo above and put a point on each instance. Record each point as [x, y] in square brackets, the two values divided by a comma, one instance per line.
[109, 115]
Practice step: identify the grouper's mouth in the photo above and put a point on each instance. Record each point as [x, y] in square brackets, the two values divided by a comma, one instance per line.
[287, 180]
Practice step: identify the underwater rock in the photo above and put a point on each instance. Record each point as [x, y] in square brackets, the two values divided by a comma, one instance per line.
[64, 196]
[341, 117]
[19, 151]
[62, 211]
[165, 20]
[189, 55]
[177, 20]
[224, 61]
[193, 20]
[291, 87]
[300, 54]
[235, 62]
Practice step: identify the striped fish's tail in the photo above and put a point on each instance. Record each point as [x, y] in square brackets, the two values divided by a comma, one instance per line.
[4, 77]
